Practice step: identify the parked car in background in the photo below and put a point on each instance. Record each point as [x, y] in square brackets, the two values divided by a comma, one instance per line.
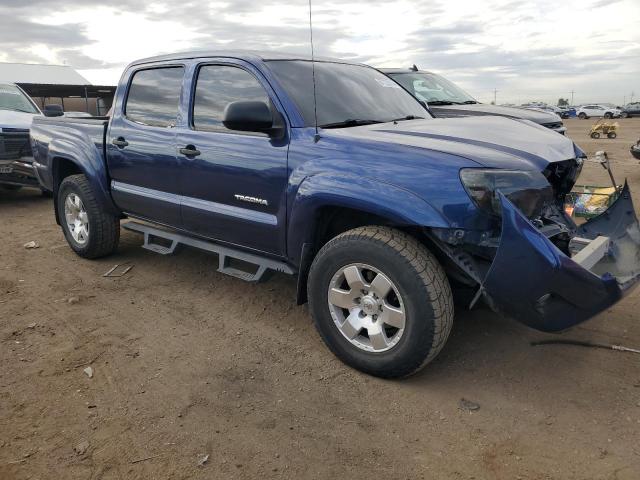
[549, 108]
[445, 99]
[598, 111]
[631, 110]
[377, 207]
[567, 112]
[17, 111]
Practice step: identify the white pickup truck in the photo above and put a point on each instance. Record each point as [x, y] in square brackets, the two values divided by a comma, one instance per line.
[16, 161]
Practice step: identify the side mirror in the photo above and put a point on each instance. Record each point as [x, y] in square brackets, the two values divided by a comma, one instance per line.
[53, 111]
[248, 116]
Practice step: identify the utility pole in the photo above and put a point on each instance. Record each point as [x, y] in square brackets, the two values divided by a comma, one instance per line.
[495, 96]
[632, 95]
[572, 92]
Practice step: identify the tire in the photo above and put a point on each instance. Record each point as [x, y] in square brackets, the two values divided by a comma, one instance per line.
[582, 116]
[595, 135]
[608, 115]
[612, 135]
[10, 187]
[625, 115]
[418, 285]
[103, 228]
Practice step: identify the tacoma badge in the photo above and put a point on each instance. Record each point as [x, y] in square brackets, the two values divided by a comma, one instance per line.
[245, 198]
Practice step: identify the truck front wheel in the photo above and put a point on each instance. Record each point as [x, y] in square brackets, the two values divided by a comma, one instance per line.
[380, 301]
[90, 232]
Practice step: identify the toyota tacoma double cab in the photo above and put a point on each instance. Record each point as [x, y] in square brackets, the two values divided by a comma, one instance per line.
[330, 171]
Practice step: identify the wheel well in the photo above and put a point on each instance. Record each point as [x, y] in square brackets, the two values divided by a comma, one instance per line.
[62, 168]
[329, 223]
[332, 221]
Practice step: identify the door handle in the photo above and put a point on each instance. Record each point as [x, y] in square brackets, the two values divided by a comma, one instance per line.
[120, 142]
[190, 151]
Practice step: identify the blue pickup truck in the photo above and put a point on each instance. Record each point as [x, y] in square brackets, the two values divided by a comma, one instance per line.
[330, 171]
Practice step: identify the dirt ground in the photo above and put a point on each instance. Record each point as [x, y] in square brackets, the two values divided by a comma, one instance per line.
[188, 363]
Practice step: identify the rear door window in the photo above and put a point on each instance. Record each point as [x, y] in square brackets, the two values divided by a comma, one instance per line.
[154, 96]
[216, 87]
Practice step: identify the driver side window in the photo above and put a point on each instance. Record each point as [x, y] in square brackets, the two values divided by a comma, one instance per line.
[216, 87]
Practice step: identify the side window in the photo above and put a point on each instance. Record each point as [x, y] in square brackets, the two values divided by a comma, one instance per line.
[216, 87]
[154, 96]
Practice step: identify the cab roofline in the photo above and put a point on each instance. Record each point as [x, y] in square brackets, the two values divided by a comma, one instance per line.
[248, 55]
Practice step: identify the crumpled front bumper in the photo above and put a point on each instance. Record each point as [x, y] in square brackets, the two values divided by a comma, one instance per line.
[532, 281]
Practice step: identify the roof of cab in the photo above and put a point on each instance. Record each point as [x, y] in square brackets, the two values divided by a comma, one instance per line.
[248, 55]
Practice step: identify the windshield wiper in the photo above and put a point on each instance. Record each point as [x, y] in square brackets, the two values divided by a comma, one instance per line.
[350, 122]
[408, 117]
[443, 102]
[469, 102]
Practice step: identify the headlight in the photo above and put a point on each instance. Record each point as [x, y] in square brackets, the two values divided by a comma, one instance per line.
[528, 190]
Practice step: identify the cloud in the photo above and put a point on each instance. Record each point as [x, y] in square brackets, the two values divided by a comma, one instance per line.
[544, 47]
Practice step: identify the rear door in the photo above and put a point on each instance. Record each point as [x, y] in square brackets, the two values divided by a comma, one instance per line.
[234, 189]
[141, 141]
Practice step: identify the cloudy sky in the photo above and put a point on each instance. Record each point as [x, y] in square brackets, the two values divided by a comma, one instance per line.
[525, 49]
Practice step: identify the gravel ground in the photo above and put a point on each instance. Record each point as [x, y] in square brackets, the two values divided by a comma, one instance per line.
[189, 365]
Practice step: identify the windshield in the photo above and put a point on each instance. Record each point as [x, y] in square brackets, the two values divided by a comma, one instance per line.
[348, 95]
[12, 98]
[432, 88]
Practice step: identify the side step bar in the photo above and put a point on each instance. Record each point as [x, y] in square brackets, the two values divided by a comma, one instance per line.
[225, 254]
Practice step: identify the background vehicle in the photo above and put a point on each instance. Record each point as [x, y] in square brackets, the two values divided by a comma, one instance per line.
[588, 111]
[445, 99]
[562, 112]
[16, 113]
[604, 128]
[378, 208]
[631, 110]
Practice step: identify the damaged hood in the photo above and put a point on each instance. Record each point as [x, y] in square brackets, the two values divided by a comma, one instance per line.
[494, 142]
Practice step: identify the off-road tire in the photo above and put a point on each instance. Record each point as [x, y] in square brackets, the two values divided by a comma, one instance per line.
[612, 135]
[421, 282]
[104, 228]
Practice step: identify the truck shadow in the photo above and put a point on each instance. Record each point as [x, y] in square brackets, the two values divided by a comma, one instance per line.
[24, 197]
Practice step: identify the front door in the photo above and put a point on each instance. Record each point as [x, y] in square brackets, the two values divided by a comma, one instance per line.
[141, 151]
[233, 183]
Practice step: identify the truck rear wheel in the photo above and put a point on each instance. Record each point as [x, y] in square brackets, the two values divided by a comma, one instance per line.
[90, 232]
[380, 301]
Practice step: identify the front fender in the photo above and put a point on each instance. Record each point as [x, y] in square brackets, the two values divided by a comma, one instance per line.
[385, 200]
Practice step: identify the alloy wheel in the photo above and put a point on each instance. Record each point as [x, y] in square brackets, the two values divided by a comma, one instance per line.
[77, 219]
[366, 307]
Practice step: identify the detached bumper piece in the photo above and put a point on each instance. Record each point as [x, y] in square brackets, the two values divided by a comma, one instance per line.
[532, 281]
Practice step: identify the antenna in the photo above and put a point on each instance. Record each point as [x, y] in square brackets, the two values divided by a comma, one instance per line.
[313, 73]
